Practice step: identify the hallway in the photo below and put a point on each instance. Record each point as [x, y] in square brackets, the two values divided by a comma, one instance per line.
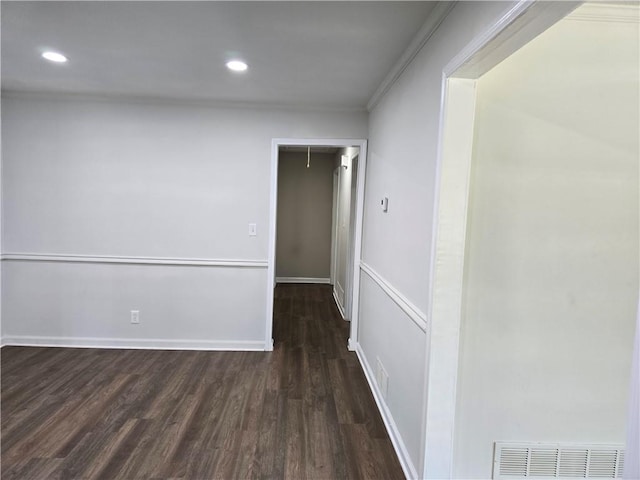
[329, 403]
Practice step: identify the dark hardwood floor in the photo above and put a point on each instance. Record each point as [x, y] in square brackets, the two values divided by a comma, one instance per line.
[301, 411]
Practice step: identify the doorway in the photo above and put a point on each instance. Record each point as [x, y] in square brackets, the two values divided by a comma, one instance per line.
[527, 195]
[329, 252]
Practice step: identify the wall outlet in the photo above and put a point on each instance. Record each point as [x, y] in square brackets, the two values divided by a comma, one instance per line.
[135, 316]
[382, 378]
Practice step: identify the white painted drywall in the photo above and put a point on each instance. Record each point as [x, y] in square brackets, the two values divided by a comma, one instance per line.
[305, 196]
[93, 301]
[552, 245]
[120, 178]
[403, 142]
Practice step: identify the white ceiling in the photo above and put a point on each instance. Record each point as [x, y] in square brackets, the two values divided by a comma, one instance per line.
[329, 54]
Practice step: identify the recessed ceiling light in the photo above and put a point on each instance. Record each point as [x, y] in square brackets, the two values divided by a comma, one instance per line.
[237, 65]
[54, 57]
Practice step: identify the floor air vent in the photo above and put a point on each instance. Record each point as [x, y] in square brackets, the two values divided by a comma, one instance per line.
[538, 461]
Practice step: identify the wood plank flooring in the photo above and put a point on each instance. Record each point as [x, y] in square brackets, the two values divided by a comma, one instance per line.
[301, 411]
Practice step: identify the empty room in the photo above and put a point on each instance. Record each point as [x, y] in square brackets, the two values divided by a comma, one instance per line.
[323, 240]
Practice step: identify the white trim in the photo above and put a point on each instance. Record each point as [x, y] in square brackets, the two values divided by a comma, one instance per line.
[271, 269]
[517, 27]
[198, 262]
[340, 292]
[132, 343]
[303, 280]
[273, 207]
[413, 312]
[335, 227]
[407, 465]
[483, 40]
[447, 277]
[351, 264]
[357, 243]
[334, 222]
[339, 305]
[269, 346]
[435, 18]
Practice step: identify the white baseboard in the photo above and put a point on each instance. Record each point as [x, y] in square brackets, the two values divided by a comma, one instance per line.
[303, 280]
[396, 439]
[269, 346]
[338, 304]
[132, 343]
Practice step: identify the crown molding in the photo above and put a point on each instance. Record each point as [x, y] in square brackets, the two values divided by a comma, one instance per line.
[174, 101]
[435, 18]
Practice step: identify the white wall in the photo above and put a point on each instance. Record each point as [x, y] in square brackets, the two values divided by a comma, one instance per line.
[403, 141]
[305, 196]
[552, 245]
[127, 179]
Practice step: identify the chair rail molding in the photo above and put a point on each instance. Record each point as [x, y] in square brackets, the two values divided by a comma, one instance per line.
[133, 260]
[413, 312]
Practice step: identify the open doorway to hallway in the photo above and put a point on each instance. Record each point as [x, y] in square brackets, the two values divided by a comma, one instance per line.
[316, 220]
[304, 214]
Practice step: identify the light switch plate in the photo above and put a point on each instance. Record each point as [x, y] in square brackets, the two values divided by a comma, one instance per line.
[253, 230]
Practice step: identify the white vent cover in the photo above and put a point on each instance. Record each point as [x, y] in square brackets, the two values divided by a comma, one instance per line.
[538, 461]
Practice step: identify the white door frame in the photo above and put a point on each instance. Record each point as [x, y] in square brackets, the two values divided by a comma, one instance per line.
[518, 26]
[276, 143]
[351, 264]
[334, 223]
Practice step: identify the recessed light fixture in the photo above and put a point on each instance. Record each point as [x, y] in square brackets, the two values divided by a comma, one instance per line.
[54, 57]
[237, 65]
